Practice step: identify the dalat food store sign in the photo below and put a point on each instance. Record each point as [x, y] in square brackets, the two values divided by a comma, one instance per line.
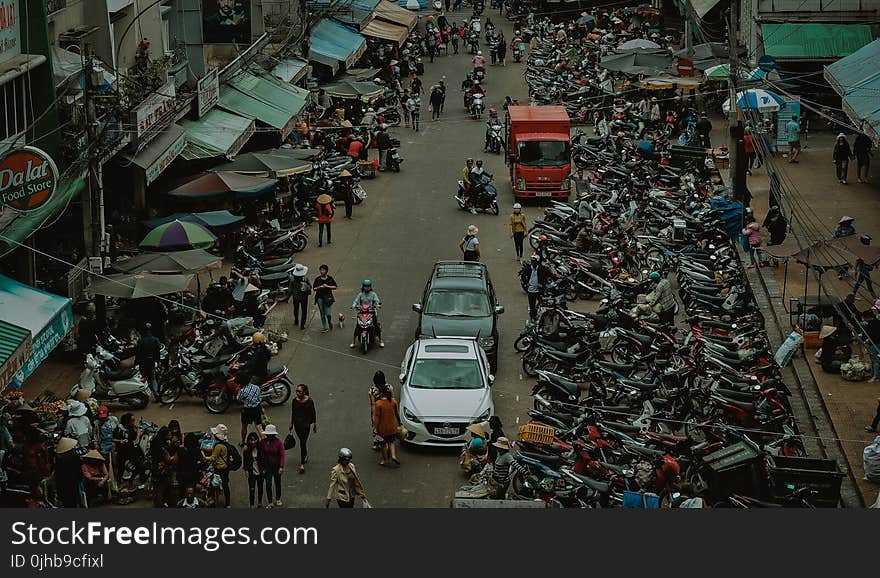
[28, 179]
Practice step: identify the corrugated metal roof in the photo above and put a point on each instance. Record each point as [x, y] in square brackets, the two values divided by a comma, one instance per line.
[11, 338]
[814, 41]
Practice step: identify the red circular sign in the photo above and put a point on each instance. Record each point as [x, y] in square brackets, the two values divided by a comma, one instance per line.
[685, 67]
[28, 178]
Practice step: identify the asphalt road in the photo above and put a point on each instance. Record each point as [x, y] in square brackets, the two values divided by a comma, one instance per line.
[409, 221]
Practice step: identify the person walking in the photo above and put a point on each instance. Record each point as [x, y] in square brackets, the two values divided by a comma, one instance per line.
[404, 99]
[147, 355]
[276, 458]
[752, 234]
[793, 135]
[436, 100]
[749, 148]
[325, 210]
[664, 297]
[300, 289]
[345, 485]
[842, 154]
[250, 397]
[414, 104]
[346, 184]
[379, 383]
[386, 420]
[383, 144]
[219, 459]
[324, 286]
[454, 35]
[303, 417]
[534, 276]
[254, 468]
[501, 49]
[862, 151]
[863, 275]
[518, 228]
[470, 244]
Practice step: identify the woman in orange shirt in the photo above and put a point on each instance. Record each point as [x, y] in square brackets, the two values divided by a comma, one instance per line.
[386, 419]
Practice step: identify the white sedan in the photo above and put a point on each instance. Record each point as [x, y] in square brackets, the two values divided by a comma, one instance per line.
[445, 386]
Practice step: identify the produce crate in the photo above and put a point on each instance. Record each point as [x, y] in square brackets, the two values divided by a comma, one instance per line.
[811, 340]
[790, 473]
[537, 434]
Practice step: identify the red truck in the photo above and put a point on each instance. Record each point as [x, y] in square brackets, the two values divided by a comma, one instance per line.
[538, 151]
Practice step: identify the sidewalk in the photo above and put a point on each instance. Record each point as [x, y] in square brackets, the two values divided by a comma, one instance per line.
[850, 405]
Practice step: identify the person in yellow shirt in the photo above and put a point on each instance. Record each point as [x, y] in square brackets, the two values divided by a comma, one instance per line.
[518, 228]
[466, 180]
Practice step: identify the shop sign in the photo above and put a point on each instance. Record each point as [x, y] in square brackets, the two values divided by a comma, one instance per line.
[685, 67]
[158, 167]
[28, 179]
[9, 21]
[43, 344]
[209, 92]
[153, 110]
[15, 362]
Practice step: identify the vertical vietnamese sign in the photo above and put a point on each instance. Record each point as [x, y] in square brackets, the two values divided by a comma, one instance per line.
[209, 92]
[9, 30]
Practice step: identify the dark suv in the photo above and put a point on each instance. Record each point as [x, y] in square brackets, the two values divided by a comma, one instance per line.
[459, 301]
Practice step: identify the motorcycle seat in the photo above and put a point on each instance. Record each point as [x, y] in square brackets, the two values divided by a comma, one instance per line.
[565, 355]
[620, 367]
[570, 386]
[547, 459]
[644, 386]
[120, 374]
[746, 405]
[601, 487]
[213, 361]
[644, 339]
[615, 468]
[274, 278]
[275, 372]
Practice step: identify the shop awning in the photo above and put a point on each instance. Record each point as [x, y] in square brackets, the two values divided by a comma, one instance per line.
[811, 41]
[206, 219]
[386, 31]
[333, 40]
[856, 79]
[291, 69]
[162, 150]
[48, 318]
[218, 133]
[15, 227]
[357, 13]
[703, 7]
[398, 13]
[251, 96]
[16, 347]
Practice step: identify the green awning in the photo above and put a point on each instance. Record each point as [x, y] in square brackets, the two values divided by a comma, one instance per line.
[47, 317]
[15, 349]
[15, 227]
[810, 41]
[260, 98]
[218, 133]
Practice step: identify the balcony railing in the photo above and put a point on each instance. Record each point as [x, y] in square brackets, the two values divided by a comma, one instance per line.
[53, 6]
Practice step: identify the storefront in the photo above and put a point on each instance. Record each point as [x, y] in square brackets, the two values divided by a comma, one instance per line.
[250, 94]
[45, 317]
[335, 46]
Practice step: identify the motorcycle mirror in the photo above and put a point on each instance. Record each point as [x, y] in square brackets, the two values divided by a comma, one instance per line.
[417, 307]
[491, 379]
[499, 309]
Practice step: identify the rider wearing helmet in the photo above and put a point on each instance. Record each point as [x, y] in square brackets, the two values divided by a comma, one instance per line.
[368, 297]
[345, 485]
[257, 366]
[478, 60]
[476, 88]
[492, 121]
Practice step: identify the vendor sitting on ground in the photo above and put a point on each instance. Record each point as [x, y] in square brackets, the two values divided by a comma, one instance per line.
[95, 476]
[835, 349]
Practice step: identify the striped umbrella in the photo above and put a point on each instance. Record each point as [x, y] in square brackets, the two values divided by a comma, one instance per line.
[756, 99]
[178, 235]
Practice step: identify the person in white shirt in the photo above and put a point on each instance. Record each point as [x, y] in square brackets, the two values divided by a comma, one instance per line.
[414, 104]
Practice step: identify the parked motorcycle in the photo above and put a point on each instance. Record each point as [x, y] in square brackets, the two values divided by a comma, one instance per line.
[125, 387]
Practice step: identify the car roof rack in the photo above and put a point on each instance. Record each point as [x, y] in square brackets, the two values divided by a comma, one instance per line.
[459, 269]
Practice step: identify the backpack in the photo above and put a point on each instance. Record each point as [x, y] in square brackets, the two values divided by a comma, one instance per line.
[233, 458]
[305, 287]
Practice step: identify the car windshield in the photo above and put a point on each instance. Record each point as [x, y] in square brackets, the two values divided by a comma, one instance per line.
[543, 153]
[446, 374]
[457, 303]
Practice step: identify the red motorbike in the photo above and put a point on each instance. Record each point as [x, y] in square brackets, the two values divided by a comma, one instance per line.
[366, 326]
[275, 390]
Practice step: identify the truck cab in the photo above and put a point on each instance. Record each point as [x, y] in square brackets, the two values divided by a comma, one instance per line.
[538, 151]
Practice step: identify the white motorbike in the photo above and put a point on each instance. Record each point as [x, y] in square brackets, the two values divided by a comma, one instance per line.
[125, 387]
[477, 106]
[495, 138]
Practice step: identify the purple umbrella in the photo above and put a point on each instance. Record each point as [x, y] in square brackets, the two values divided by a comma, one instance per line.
[178, 235]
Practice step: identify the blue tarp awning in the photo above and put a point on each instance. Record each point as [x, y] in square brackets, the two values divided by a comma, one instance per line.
[357, 13]
[48, 317]
[332, 40]
[856, 78]
[730, 212]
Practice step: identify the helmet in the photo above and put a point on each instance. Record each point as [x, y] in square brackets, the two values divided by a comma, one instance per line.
[536, 257]
[477, 444]
[344, 455]
[258, 338]
[470, 161]
[865, 239]
[542, 239]
[479, 52]
[517, 206]
[654, 275]
[547, 484]
[476, 83]
[366, 283]
[492, 112]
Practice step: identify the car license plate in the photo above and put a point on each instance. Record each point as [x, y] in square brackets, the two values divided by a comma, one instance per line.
[446, 431]
[544, 194]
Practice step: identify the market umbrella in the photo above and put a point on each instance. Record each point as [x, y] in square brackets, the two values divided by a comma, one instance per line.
[353, 89]
[647, 62]
[706, 51]
[722, 72]
[302, 154]
[360, 74]
[585, 19]
[170, 262]
[870, 254]
[178, 235]
[756, 99]
[667, 82]
[138, 285]
[265, 164]
[637, 44]
[205, 219]
[207, 185]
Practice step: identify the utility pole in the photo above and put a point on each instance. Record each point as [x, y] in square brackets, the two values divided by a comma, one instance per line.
[688, 32]
[96, 182]
[735, 131]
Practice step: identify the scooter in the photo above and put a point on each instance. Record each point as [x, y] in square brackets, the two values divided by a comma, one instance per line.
[125, 387]
[495, 139]
[477, 105]
[519, 49]
[366, 332]
[479, 74]
[392, 160]
[483, 195]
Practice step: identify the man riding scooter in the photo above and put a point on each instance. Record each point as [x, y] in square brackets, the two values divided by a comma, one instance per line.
[479, 63]
[492, 122]
[368, 297]
[475, 89]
